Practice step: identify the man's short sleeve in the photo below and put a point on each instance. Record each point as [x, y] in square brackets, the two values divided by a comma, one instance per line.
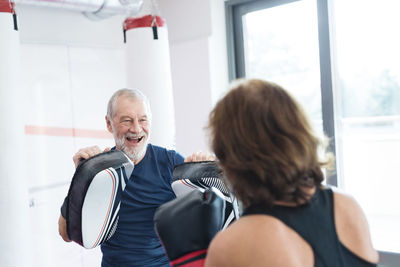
[175, 157]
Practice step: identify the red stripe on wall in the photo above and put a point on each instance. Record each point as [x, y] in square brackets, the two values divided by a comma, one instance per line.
[66, 132]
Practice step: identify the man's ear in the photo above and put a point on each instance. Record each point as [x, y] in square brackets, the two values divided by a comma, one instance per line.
[108, 122]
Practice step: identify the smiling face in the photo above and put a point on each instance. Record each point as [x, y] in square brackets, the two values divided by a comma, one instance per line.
[130, 126]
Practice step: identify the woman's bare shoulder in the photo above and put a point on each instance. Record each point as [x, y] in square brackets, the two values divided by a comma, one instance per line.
[352, 226]
[250, 235]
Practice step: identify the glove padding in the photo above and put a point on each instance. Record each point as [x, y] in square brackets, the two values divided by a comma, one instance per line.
[187, 224]
[189, 176]
[92, 205]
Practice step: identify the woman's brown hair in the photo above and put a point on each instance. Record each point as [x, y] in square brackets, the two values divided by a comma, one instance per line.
[265, 144]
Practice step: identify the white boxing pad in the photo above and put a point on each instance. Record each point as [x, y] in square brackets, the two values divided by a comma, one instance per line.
[97, 209]
[94, 197]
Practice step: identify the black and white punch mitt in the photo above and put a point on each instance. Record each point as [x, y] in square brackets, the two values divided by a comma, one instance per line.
[94, 197]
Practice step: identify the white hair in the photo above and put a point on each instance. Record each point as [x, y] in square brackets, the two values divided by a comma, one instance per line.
[130, 93]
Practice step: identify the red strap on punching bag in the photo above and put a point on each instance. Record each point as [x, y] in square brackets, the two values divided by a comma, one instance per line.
[145, 21]
[6, 6]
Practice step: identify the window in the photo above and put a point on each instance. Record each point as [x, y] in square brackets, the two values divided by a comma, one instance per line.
[345, 55]
[368, 86]
[286, 53]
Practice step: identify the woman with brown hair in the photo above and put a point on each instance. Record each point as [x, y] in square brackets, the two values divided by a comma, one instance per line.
[269, 154]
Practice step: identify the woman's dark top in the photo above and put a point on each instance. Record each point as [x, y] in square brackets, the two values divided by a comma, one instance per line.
[315, 223]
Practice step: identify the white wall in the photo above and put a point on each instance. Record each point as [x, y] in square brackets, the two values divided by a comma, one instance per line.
[70, 66]
[199, 65]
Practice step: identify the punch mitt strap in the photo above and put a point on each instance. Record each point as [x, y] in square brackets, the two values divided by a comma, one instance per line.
[187, 224]
[94, 197]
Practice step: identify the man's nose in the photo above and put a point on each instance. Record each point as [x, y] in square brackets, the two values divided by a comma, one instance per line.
[135, 127]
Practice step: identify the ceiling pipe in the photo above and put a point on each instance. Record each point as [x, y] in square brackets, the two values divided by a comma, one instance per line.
[93, 9]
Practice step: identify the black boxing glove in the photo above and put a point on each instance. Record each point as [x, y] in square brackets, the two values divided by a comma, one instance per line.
[187, 224]
[190, 176]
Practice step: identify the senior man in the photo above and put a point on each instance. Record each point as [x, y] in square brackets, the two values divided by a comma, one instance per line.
[135, 242]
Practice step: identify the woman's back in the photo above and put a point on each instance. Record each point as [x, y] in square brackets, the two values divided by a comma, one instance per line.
[271, 155]
[329, 231]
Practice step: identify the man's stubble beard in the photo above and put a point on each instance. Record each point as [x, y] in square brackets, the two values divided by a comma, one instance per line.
[133, 153]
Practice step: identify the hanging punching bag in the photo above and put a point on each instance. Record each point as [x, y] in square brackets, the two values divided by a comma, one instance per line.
[148, 69]
[14, 226]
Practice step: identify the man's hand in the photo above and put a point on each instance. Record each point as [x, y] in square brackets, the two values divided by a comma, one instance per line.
[62, 229]
[87, 152]
[200, 156]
